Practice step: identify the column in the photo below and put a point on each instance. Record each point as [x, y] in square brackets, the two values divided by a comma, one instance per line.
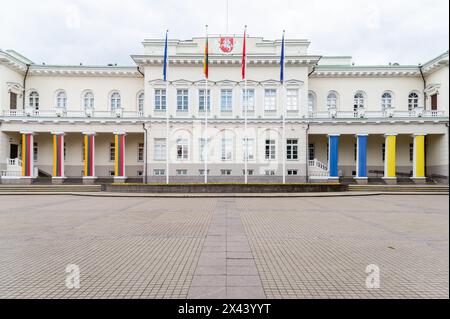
[119, 157]
[389, 159]
[89, 158]
[27, 157]
[333, 157]
[58, 158]
[419, 158]
[361, 159]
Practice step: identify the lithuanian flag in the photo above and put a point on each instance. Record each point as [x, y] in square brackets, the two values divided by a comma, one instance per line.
[206, 59]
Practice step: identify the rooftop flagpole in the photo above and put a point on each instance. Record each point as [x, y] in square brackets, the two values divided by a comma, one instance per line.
[165, 67]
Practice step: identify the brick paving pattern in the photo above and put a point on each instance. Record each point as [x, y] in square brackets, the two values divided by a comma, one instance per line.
[224, 247]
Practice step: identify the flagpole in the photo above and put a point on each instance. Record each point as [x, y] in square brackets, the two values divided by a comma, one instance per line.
[205, 102]
[284, 115]
[167, 111]
[245, 110]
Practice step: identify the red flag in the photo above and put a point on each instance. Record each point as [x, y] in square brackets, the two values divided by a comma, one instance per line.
[244, 53]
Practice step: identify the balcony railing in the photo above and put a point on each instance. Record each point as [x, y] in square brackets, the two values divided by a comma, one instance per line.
[362, 114]
[61, 112]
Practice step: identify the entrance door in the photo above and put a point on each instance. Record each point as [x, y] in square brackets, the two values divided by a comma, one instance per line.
[12, 101]
[434, 102]
[13, 151]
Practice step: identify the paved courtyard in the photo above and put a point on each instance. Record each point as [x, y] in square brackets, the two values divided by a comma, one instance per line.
[224, 247]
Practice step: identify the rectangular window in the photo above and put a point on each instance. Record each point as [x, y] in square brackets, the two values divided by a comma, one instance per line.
[270, 99]
[112, 152]
[202, 172]
[311, 151]
[248, 100]
[182, 149]
[249, 172]
[292, 100]
[355, 150]
[292, 172]
[225, 172]
[182, 100]
[383, 151]
[201, 100]
[159, 172]
[111, 173]
[411, 152]
[226, 100]
[270, 172]
[160, 149]
[181, 171]
[140, 152]
[82, 151]
[160, 99]
[292, 149]
[249, 149]
[270, 150]
[35, 151]
[227, 149]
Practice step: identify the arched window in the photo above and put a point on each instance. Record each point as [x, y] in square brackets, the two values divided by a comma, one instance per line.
[311, 102]
[413, 101]
[115, 101]
[34, 100]
[386, 101]
[332, 100]
[140, 103]
[61, 99]
[88, 100]
[358, 101]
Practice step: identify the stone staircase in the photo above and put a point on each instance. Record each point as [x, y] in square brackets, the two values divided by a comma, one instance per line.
[49, 188]
[437, 188]
[317, 169]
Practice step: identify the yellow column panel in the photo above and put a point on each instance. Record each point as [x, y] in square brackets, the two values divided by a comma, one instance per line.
[390, 156]
[419, 156]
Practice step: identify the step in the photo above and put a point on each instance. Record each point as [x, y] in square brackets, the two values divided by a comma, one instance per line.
[50, 188]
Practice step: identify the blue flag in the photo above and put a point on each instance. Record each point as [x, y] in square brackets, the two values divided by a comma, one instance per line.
[165, 60]
[282, 60]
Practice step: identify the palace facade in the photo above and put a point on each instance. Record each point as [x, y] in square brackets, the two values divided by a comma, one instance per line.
[331, 119]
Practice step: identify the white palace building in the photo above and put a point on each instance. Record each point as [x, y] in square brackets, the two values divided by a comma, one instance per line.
[331, 119]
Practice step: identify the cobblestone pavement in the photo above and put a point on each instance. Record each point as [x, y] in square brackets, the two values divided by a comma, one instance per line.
[224, 247]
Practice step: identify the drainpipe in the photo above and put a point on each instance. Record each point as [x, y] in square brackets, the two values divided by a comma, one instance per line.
[139, 70]
[307, 153]
[145, 153]
[24, 89]
[424, 86]
[314, 67]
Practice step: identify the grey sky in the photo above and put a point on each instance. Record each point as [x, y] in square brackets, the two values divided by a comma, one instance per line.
[108, 31]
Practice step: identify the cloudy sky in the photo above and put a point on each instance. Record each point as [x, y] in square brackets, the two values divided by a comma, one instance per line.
[108, 31]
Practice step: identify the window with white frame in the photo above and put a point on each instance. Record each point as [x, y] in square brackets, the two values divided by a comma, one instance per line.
[225, 172]
[202, 100]
[292, 172]
[249, 172]
[88, 100]
[311, 102]
[35, 151]
[226, 149]
[413, 101]
[270, 99]
[411, 152]
[201, 172]
[112, 152]
[270, 150]
[358, 101]
[386, 101]
[249, 148]
[140, 152]
[181, 171]
[182, 149]
[159, 172]
[33, 100]
[292, 100]
[248, 100]
[182, 99]
[140, 103]
[311, 151]
[226, 100]
[331, 101]
[160, 149]
[292, 149]
[116, 102]
[61, 99]
[160, 99]
[270, 172]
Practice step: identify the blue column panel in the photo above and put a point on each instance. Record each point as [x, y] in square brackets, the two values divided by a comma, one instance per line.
[333, 142]
[362, 156]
